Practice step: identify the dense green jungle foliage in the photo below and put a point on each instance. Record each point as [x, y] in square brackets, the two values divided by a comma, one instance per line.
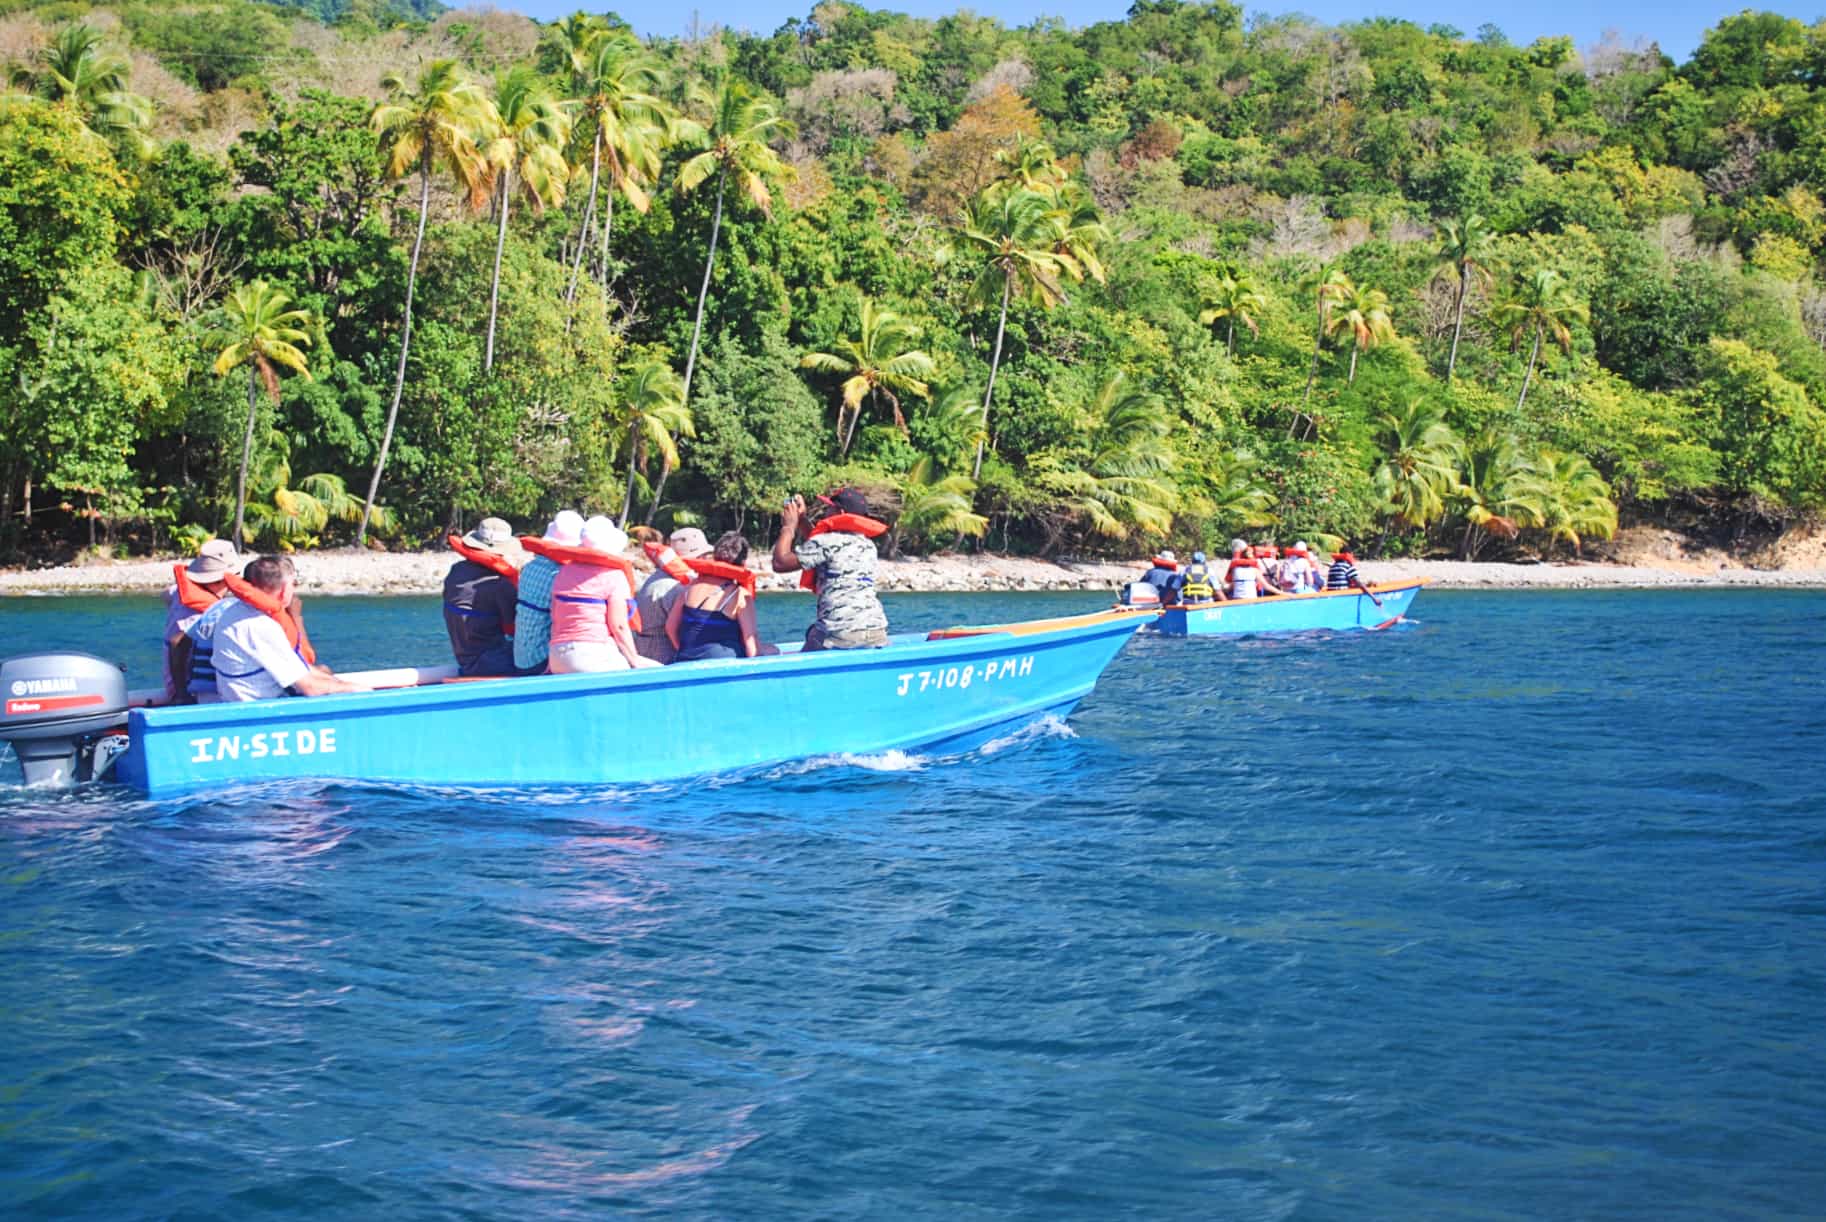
[1055, 290]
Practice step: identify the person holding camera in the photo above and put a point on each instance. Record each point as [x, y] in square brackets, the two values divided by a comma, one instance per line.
[835, 557]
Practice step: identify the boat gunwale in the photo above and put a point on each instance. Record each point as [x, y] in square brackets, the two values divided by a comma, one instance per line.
[523, 689]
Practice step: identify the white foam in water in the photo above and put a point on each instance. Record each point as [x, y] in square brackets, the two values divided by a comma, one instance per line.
[880, 761]
[1048, 726]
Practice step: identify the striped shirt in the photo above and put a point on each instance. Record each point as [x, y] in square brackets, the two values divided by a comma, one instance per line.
[1342, 576]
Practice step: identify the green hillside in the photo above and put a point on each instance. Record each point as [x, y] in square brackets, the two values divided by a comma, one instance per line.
[1175, 277]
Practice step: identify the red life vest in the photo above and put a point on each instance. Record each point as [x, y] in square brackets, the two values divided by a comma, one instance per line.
[1161, 562]
[1344, 556]
[742, 575]
[494, 562]
[848, 523]
[576, 553]
[270, 606]
[668, 561]
[190, 593]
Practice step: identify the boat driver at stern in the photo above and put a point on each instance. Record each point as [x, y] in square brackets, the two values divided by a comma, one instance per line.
[254, 659]
[835, 558]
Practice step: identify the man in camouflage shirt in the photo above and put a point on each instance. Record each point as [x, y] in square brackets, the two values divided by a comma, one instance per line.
[841, 561]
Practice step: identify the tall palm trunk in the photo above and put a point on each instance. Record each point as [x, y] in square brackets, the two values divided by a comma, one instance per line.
[1458, 319]
[697, 331]
[494, 284]
[1529, 376]
[247, 449]
[627, 496]
[1230, 338]
[583, 231]
[608, 223]
[405, 343]
[1354, 350]
[995, 362]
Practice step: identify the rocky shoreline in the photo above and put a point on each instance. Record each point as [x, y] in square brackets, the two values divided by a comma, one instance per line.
[348, 571]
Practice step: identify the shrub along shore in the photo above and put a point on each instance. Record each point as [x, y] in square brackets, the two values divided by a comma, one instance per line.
[345, 571]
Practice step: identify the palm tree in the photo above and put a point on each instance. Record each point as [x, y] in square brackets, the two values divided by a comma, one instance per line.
[1498, 492]
[934, 503]
[1328, 286]
[1420, 466]
[263, 331]
[292, 517]
[736, 144]
[1363, 315]
[526, 152]
[654, 416]
[1077, 231]
[1465, 249]
[1233, 494]
[616, 102]
[422, 129]
[1542, 303]
[1576, 499]
[1126, 480]
[1233, 297]
[1010, 236]
[880, 361]
[93, 83]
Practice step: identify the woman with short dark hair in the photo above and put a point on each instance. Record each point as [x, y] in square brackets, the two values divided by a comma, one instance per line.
[715, 618]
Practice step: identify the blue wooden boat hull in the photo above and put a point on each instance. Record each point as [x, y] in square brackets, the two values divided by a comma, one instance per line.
[1334, 610]
[685, 720]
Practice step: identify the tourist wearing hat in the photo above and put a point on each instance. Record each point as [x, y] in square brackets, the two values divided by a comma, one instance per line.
[215, 561]
[1163, 575]
[1197, 584]
[592, 604]
[1298, 573]
[533, 604]
[835, 557]
[657, 594]
[479, 600]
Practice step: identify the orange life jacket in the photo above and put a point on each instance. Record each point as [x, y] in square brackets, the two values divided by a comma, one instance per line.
[575, 553]
[494, 562]
[278, 612]
[741, 574]
[668, 561]
[1344, 556]
[848, 523]
[1161, 562]
[190, 593]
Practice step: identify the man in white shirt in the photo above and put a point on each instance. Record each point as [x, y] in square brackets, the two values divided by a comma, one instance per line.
[253, 658]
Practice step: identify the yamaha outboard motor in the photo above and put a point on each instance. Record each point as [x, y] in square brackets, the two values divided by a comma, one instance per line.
[55, 708]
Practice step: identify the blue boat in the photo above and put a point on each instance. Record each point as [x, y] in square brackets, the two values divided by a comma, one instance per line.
[1329, 609]
[952, 689]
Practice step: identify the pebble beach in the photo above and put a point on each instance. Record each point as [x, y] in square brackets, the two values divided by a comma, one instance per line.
[347, 571]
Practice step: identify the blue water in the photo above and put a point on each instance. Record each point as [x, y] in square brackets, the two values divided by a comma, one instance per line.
[1516, 912]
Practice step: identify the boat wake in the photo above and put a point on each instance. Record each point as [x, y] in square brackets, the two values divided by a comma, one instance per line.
[1049, 726]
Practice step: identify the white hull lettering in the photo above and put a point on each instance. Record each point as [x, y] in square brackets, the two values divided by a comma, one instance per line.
[994, 670]
[274, 743]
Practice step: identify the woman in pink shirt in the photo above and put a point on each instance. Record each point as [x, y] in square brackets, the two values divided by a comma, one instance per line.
[590, 604]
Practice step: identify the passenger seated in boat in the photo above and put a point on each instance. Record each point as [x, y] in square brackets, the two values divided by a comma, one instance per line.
[1297, 573]
[1245, 577]
[593, 604]
[1344, 576]
[256, 646]
[198, 586]
[1163, 575]
[836, 558]
[664, 587]
[479, 598]
[533, 598]
[1197, 584]
[715, 616]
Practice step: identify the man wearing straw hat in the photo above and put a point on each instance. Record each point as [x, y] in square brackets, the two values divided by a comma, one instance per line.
[214, 562]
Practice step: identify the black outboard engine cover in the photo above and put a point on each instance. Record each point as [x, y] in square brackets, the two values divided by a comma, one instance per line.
[54, 706]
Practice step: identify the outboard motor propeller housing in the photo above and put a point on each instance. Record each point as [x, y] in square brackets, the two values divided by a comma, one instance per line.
[55, 707]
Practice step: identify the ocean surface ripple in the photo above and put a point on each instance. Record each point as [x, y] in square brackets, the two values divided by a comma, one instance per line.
[1517, 911]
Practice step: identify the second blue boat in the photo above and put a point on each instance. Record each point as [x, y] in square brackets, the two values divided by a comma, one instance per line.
[1334, 610]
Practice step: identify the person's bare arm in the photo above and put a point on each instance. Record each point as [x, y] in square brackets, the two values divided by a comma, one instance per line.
[676, 616]
[784, 558]
[744, 618]
[315, 684]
